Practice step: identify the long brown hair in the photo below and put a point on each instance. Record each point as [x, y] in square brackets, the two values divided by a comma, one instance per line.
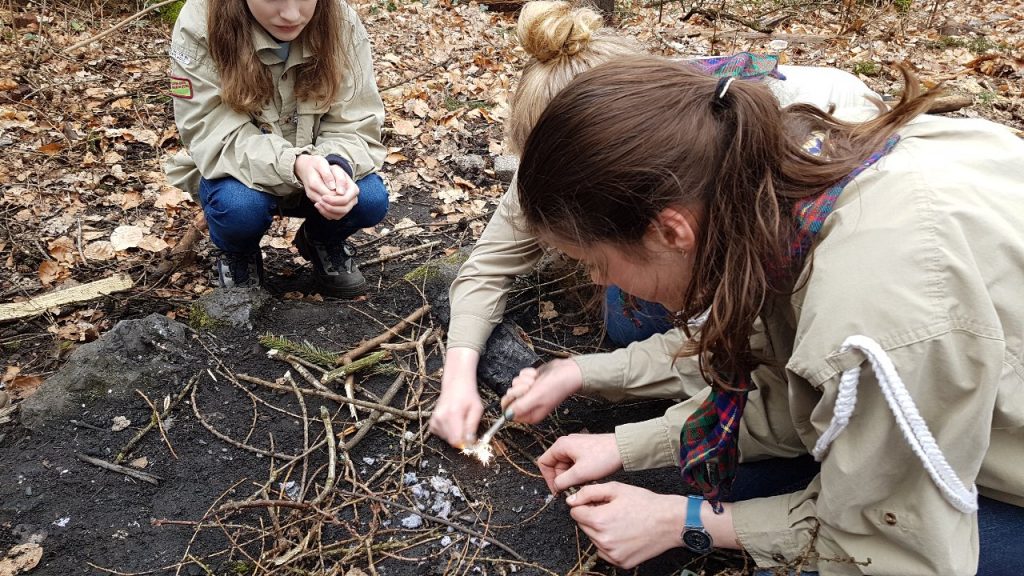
[246, 83]
[639, 134]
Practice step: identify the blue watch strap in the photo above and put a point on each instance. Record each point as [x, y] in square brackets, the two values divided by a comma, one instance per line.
[693, 504]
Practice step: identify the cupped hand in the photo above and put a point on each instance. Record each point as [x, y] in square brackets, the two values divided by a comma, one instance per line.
[339, 202]
[536, 392]
[579, 458]
[457, 414]
[628, 524]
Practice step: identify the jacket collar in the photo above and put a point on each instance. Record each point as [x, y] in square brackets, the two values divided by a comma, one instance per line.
[265, 45]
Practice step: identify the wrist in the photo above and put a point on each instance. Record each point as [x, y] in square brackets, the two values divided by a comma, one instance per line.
[673, 520]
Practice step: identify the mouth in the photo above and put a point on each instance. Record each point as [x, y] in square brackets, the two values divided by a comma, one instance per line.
[288, 29]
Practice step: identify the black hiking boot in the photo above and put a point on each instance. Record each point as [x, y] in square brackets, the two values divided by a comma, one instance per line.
[239, 269]
[334, 268]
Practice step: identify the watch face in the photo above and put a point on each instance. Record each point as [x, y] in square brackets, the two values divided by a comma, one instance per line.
[697, 540]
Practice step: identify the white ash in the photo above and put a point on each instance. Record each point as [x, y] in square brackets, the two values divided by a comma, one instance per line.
[409, 478]
[412, 521]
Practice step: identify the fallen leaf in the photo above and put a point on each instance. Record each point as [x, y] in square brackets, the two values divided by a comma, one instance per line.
[152, 243]
[120, 423]
[406, 128]
[131, 200]
[125, 237]
[140, 462]
[62, 249]
[395, 158]
[21, 558]
[580, 330]
[9, 373]
[23, 386]
[386, 251]
[112, 157]
[99, 250]
[6, 84]
[547, 310]
[51, 148]
[170, 197]
[408, 227]
[49, 272]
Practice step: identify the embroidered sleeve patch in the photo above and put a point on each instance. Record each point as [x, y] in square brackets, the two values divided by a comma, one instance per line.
[181, 88]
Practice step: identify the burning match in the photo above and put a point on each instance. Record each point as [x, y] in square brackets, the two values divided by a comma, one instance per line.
[482, 449]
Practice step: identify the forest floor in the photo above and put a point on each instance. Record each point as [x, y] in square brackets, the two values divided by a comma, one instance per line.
[243, 466]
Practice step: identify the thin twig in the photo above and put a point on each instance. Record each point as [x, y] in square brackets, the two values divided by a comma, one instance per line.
[159, 421]
[407, 414]
[418, 76]
[400, 253]
[332, 456]
[375, 416]
[154, 480]
[426, 516]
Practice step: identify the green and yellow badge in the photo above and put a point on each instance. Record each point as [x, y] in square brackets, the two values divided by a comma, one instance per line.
[181, 88]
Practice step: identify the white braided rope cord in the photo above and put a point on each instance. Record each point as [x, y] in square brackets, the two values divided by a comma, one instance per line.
[914, 428]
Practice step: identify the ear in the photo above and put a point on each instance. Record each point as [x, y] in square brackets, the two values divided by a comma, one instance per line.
[675, 229]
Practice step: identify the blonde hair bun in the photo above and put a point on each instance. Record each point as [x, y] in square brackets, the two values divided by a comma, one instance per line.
[549, 29]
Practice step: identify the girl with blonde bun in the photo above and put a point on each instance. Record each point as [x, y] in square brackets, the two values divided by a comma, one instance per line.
[565, 40]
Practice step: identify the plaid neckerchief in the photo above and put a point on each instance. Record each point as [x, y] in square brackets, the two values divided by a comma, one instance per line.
[708, 450]
[742, 66]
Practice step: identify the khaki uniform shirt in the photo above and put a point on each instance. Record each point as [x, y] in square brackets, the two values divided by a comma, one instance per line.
[260, 150]
[924, 253]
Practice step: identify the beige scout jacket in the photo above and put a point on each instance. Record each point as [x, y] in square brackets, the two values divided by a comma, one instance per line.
[260, 151]
[924, 253]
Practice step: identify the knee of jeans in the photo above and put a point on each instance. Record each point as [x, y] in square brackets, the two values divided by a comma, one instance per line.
[373, 201]
[236, 210]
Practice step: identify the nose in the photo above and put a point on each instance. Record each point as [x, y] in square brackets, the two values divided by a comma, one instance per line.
[290, 11]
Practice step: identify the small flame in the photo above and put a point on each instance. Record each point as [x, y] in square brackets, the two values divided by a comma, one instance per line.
[482, 451]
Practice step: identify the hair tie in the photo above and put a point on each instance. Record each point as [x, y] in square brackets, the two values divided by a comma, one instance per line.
[722, 88]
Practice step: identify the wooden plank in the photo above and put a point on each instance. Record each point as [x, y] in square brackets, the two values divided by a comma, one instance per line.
[80, 293]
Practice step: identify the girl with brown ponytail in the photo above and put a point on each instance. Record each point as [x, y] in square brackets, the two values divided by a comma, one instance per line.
[563, 41]
[862, 288]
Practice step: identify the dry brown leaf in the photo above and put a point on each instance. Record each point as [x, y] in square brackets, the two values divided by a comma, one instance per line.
[547, 310]
[170, 197]
[22, 387]
[153, 243]
[395, 157]
[406, 128]
[125, 237]
[49, 272]
[99, 250]
[6, 84]
[279, 242]
[112, 157]
[580, 330]
[140, 462]
[62, 249]
[408, 227]
[20, 559]
[10, 372]
[385, 251]
[51, 148]
[131, 200]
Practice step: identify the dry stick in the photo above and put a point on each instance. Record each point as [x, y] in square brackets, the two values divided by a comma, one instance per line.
[154, 480]
[183, 247]
[387, 335]
[119, 25]
[332, 456]
[418, 76]
[293, 361]
[407, 414]
[400, 253]
[159, 423]
[209, 427]
[458, 527]
[305, 427]
[374, 417]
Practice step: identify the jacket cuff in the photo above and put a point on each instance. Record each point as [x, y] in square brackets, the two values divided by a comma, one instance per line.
[645, 445]
[603, 374]
[286, 166]
[764, 527]
[335, 160]
[469, 332]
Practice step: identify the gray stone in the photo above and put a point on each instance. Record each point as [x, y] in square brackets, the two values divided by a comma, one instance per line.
[233, 306]
[134, 354]
[505, 167]
[469, 164]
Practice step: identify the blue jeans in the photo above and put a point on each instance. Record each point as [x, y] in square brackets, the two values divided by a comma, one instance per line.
[629, 319]
[999, 524]
[239, 216]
